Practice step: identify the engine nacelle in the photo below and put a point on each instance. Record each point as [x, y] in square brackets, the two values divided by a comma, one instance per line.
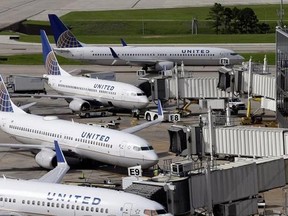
[166, 65]
[46, 158]
[77, 105]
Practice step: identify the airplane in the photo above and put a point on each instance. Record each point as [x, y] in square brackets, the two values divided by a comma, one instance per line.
[80, 141]
[86, 94]
[154, 57]
[46, 196]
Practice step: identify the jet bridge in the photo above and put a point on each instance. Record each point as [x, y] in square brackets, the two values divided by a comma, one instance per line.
[233, 187]
[187, 87]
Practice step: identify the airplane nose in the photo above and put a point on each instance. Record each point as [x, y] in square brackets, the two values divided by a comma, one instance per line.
[144, 102]
[150, 159]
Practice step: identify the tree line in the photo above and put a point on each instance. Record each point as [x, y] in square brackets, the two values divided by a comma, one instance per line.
[235, 21]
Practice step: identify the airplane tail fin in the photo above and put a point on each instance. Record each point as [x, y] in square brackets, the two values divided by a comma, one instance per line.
[63, 37]
[6, 105]
[50, 61]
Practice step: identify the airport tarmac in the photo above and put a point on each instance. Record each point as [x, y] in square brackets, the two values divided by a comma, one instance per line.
[21, 164]
[20, 161]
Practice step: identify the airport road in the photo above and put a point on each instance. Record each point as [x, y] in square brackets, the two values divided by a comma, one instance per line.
[12, 47]
[13, 11]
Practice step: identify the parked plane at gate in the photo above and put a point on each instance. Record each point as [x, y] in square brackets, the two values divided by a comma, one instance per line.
[154, 57]
[44, 196]
[120, 148]
[85, 93]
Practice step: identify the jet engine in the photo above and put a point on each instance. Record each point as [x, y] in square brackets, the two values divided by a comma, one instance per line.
[77, 105]
[46, 158]
[165, 65]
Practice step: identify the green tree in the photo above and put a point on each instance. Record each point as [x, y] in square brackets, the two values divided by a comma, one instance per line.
[263, 28]
[227, 18]
[248, 21]
[234, 23]
[216, 15]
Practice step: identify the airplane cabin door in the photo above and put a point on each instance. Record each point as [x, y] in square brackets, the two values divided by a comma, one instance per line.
[127, 209]
[124, 96]
[122, 149]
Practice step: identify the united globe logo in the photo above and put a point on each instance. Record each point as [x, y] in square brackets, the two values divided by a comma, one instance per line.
[67, 39]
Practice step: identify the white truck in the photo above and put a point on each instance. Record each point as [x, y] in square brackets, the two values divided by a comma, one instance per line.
[25, 84]
[150, 115]
[236, 103]
[219, 105]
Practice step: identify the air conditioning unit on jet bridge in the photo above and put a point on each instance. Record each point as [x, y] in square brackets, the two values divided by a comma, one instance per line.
[181, 168]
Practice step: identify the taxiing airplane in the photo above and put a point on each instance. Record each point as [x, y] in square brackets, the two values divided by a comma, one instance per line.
[85, 93]
[44, 196]
[155, 57]
[82, 141]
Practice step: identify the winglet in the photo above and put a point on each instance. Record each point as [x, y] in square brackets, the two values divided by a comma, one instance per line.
[160, 110]
[149, 123]
[63, 37]
[59, 153]
[56, 175]
[123, 42]
[114, 54]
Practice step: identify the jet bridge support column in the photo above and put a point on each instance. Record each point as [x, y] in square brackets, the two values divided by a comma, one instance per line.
[176, 85]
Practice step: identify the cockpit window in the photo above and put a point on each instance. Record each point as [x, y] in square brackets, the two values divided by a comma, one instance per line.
[146, 148]
[233, 54]
[141, 94]
[161, 211]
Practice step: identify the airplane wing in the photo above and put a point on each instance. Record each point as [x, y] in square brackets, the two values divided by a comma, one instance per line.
[56, 96]
[56, 175]
[27, 106]
[62, 50]
[147, 124]
[10, 213]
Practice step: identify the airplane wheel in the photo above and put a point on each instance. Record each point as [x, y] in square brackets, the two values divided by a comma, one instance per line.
[155, 117]
[87, 115]
[148, 117]
[103, 114]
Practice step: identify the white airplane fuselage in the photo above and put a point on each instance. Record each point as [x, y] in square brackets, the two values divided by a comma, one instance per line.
[108, 93]
[39, 198]
[96, 143]
[146, 55]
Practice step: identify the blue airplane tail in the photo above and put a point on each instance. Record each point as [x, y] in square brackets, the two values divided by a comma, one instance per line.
[50, 61]
[6, 105]
[63, 37]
